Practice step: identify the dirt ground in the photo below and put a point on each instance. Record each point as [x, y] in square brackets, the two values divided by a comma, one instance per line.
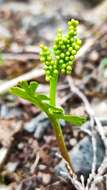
[28, 152]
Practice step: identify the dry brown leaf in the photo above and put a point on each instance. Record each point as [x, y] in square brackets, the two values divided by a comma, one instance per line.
[8, 128]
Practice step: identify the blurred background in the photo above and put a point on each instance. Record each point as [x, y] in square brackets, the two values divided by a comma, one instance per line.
[24, 24]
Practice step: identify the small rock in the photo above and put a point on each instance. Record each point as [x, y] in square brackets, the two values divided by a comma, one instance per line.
[82, 157]
[73, 142]
[38, 125]
[7, 112]
[20, 146]
[94, 56]
[11, 166]
[46, 178]
[42, 167]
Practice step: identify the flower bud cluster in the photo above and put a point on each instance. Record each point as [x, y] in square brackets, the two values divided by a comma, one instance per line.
[46, 58]
[64, 50]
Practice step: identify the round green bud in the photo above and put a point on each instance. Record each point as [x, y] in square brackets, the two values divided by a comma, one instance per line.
[71, 32]
[61, 61]
[68, 45]
[52, 62]
[55, 71]
[77, 47]
[68, 53]
[63, 71]
[47, 78]
[75, 33]
[74, 52]
[50, 67]
[68, 72]
[65, 40]
[49, 58]
[47, 63]
[73, 44]
[45, 48]
[70, 63]
[69, 23]
[55, 47]
[47, 72]
[72, 40]
[42, 59]
[78, 42]
[70, 49]
[61, 43]
[63, 46]
[68, 40]
[72, 57]
[63, 66]
[57, 57]
[66, 58]
[59, 39]
[72, 28]
[68, 67]
[57, 52]
[62, 55]
[42, 46]
[47, 53]
[55, 66]
[74, 22]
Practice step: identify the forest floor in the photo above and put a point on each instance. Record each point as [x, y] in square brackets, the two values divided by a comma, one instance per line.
[28, 148]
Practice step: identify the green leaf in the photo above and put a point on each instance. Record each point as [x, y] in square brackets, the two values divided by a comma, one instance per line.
[59, 114]
[23, 85]
[27, 92]
[19, 92]
[33, 86]
[75, 120]
[56, 110]
[43, 97]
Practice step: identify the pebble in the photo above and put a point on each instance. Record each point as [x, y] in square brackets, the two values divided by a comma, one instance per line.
[46, 178]
[94, 56]
[38, 125]
[82, 157]
[11, 166]
[10, 112]
[73, 141]
[42, 167]
[20, 146]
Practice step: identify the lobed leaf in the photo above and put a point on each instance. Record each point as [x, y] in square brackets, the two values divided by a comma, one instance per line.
[75, 120]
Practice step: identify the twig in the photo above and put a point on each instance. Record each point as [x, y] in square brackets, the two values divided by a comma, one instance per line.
[33, 167]
[98, 128]
[3, 155]
[73, 178]
[20, 56]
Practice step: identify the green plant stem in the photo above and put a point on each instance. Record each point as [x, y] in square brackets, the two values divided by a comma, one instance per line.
[55, 123]
[60, 139]
[53, 85]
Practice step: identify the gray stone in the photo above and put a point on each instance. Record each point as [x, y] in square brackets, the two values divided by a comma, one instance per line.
[38, 125]
[82, 157]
